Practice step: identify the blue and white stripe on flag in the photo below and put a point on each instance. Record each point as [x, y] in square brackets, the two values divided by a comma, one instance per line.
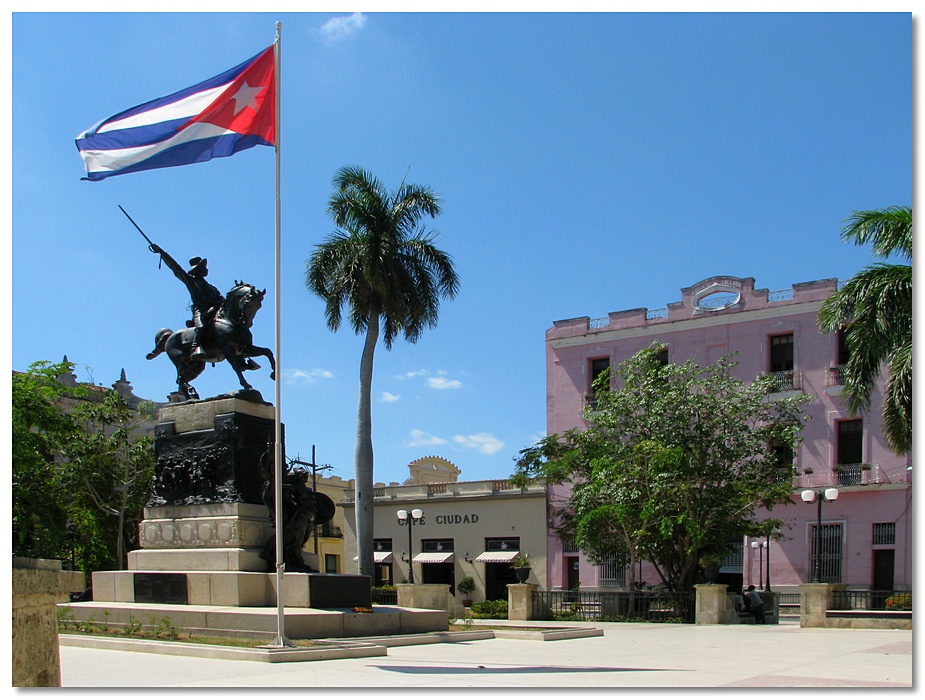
[216, 118]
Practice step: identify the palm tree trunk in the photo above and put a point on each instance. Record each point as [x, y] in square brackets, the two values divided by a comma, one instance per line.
[363, 454]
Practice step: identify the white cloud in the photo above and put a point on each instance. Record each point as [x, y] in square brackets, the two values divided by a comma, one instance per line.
[438, 380]
[388, 397]
[420, 438]
[306, 376]
[486, 443]
[339, 28]
[412, 374]
[443, 383]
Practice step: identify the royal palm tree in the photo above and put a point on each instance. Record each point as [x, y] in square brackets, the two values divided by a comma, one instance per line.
[875, 310]
[383, 266]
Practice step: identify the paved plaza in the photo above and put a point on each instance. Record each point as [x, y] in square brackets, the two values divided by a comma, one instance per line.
[627, 655]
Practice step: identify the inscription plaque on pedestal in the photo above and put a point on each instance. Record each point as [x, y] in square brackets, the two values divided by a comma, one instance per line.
[160, 588]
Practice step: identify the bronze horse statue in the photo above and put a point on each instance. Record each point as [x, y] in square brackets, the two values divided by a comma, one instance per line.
[228, 338]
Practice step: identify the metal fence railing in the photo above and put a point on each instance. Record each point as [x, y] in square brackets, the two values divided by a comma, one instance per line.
[872, 600]
[617, 606]
[385, 596]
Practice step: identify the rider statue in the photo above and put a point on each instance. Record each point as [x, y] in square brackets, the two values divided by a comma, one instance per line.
[206, 299]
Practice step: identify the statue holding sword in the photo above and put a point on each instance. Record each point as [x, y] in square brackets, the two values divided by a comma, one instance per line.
[219, 329]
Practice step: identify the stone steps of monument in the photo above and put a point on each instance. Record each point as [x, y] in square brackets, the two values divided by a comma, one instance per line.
[299, 623]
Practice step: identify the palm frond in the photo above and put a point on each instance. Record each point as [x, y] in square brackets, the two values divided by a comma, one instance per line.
[381, 263]
[875, 310]
[888, 230]
[897, 402]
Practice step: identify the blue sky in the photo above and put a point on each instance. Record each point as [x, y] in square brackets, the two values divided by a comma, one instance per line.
[587, 163]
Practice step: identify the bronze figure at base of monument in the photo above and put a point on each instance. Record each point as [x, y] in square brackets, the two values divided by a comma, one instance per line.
[207, 532]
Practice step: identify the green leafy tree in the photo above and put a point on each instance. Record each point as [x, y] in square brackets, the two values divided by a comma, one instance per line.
[382, 266]
[40, 425]
[81, 471]
[875, 309]
[109, 465]
[673, 465]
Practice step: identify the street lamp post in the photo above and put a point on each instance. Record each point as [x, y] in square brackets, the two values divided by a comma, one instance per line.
[757, 546]
[405, 518]
[810, 496]
[767, 568]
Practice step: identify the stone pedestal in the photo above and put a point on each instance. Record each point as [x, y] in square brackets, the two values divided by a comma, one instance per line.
[520, 601]
[232, 588]
[206, 525]
[816, 598]
[211, 452]
[712, 604]
[38, 585]
[208, 537]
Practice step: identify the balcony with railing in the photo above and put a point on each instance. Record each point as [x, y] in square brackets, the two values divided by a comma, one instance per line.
[842, 475]
[328, 530]
[791, 380]
[835, 380]
[835, 376]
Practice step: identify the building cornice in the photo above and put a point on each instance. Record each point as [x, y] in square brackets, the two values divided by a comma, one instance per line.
[663, 327]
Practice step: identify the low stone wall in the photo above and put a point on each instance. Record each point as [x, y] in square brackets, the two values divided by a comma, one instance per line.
[38, 585]
[817, 610]
[429, 596]
[869, 619]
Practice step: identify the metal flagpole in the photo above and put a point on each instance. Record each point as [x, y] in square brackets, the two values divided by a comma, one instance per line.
[281, 639]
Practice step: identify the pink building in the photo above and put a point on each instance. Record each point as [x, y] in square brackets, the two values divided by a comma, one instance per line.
[866, 532]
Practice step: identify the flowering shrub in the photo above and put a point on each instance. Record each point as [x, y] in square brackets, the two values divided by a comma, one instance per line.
[899, 602]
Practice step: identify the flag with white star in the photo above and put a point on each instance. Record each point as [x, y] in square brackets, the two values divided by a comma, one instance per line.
[214, 119]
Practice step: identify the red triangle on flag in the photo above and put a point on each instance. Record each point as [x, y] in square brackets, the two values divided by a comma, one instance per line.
[248, 105]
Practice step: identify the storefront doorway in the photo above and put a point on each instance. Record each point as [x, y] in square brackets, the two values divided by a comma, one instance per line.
[497, 577]
[440, 573]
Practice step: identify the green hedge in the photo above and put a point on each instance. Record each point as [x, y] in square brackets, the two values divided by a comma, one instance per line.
[490, 609]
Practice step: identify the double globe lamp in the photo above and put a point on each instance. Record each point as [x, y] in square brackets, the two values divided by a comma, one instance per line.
[810, 496]
[409, 519]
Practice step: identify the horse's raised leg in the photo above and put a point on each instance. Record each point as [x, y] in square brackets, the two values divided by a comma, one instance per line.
[254, 350]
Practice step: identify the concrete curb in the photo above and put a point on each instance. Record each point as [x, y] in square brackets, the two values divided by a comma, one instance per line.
[405, 640]
[541, 634]
[550, 635]
[338, 649]
[333, 649]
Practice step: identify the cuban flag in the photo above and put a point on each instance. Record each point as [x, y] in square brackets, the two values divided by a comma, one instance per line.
[214, 119]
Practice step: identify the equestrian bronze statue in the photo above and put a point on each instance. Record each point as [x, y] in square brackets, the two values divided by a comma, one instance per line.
[219, 329]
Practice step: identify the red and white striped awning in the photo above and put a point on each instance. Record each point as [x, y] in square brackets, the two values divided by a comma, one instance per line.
[433, 558]
[501, 556]
[380, 557]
